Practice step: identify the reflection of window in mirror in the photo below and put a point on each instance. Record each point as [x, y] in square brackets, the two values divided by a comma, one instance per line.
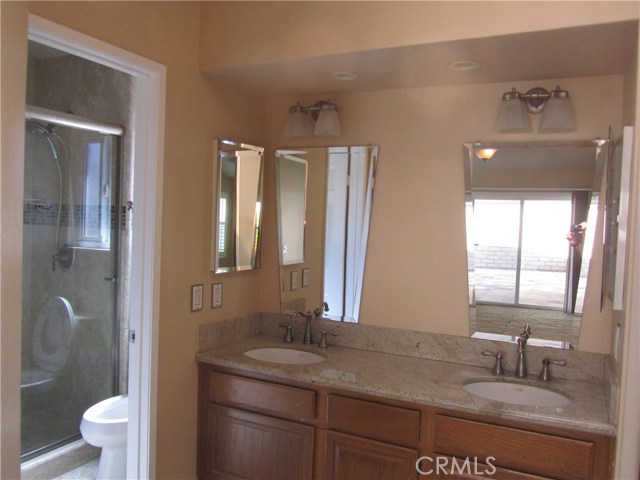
[222, 225]
[338, 202]
[524, 264]
[521, 251]
[237, 207]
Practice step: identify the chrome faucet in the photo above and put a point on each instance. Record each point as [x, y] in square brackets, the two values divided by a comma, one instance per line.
[308, 337]
[521, 366]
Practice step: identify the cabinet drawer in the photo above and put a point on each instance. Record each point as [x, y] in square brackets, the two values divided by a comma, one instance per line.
[374, 420]
[265, 397]
[520, 450]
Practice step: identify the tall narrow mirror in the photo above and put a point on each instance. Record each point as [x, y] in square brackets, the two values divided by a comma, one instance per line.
[337, 203]
[236, 206]
[531, 217]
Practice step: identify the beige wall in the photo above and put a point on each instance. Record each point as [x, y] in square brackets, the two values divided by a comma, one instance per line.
[420, 163]
[309, 29]
[416, 274]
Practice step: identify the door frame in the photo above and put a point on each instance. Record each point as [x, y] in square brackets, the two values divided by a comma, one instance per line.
[148, 129]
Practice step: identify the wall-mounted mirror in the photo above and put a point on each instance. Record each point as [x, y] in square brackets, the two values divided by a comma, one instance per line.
[531, 216]
[337, 205]
[237, 206]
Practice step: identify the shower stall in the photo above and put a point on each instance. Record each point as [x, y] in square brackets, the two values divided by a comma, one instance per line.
[71, 335]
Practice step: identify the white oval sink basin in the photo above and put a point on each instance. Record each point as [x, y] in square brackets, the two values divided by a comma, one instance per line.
[284, 355]
[517, 394]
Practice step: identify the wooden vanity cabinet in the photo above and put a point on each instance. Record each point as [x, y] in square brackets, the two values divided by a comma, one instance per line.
[252, 429]
[257, 427]
[367, 439]
[350, 457]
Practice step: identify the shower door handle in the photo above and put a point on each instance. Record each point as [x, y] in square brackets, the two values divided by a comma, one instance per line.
[111, 279]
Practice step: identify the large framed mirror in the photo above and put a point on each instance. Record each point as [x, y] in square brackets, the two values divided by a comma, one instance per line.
[531, 211]
[237, 206]
[328, 263]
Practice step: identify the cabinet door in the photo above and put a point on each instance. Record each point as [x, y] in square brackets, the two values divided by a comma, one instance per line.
[354, 458]
[252, 446]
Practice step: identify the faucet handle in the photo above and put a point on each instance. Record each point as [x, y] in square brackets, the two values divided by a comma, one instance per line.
[497, 367]
[545, 374]
[288, 337]
[526, 331]
[323, 338]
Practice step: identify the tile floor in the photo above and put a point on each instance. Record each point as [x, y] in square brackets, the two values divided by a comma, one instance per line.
[536, 287]
[84, 472]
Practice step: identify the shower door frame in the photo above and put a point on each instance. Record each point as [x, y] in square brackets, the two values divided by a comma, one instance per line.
[148, 107]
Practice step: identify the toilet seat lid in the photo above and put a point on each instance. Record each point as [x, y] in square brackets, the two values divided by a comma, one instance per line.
[52, 335]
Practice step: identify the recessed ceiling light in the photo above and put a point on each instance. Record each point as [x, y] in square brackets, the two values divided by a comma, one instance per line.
[346, 76]
[464, 65]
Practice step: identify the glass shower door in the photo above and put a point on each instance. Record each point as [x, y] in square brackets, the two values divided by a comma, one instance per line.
[70, 245]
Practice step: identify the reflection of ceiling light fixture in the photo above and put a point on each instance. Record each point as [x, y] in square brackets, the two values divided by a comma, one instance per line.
[483, 152]
[300, 124]
[464, 65]
[557, 113]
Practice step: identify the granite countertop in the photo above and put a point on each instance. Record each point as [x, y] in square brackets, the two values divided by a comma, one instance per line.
[427, 382]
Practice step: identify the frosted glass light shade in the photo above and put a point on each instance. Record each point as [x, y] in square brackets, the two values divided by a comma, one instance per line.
[299, 124]
[328, 123]
[512, 116]
[557, 115]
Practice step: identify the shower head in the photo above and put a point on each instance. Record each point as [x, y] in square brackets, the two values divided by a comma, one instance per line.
[44, 132]
[40, 130]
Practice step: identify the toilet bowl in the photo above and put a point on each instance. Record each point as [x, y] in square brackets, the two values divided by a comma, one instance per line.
[50, 344]
[105, 425]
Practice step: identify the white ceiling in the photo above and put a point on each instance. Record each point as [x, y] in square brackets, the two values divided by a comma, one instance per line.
[594, 50]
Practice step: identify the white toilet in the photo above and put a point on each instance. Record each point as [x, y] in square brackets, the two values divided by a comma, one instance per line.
[105, 425]
[50, 344]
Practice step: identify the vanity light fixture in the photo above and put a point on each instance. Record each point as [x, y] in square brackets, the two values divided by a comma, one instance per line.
[300, 122]
[555, 106]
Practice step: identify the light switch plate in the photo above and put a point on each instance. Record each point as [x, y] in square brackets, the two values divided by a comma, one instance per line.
[216, 295]
[294, 280]
[196, 297]
[305, 277]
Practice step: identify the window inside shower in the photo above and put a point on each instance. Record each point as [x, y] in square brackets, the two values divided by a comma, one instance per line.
[95, 222]
[76, 244]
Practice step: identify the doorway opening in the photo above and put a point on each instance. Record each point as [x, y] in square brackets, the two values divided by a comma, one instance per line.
[147, 126]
